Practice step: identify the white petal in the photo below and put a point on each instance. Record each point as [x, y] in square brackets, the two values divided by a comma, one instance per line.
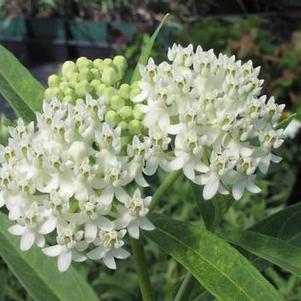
[210, 189]
[238, 189]
[17, 229]
[141, 181]
[107, 196]
[146, 224]
[252, 187]
[97, 253]
[90, 231]
[27, 240]
[109, 261]
[189, 171]
[104, 223]
[120, 253]
[53, 250]
[276, 159]
[121, 195]
[64, 261]
[133, 229]
[40, 240]
[48, 226]
[2, 201]
[78, 257]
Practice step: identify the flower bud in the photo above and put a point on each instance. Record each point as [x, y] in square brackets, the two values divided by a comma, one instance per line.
[98, 63]
[82, 88]
[116, 102]
[109, 76]
[68, 98]
[85, 74]
[68, 68]
[83, 62]
[48, 93]
[120, 62]
[100, 89]
[95, 83]
[137, 113]
[123, 125]
[112, 118]
[63, 85]
[134, 91]
[107, 62]
[53, 81]
[107, 94]
[125, 112]
[135, 127]
[124, 91]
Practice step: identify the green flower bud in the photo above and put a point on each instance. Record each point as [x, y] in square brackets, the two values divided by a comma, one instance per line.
[134, 92]
[108, 93]
[3, 131]
[68, 98]
[116, 102]
[125, 140]
[53, 81]
[138, 114]
[58, 93]
[95, 83]
[107, 62]
[85, 74]
[135, 127]
[74, 80]
[123, 125]
[125, 112]
[120, 62]
[82, 88]
[68, 68]
[83, 62]
[48, 93]
[124, 91]
[98, 63]
[69, 91]
[95, 72]
[100, 89]
[109, 76]
[112, 118]
[63, 85]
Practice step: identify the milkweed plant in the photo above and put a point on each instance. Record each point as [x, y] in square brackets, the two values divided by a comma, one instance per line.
[73, 179]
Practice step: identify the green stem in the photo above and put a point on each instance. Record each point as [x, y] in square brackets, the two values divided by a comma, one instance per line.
[185, 288]
[169, 180]
[141, 268]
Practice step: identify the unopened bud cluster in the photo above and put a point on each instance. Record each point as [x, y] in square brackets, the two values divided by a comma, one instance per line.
[99, 78]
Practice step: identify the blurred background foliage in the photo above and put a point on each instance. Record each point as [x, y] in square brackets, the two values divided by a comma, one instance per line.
[266, 31]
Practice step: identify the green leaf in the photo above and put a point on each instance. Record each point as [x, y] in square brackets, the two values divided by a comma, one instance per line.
[285, 225]
[21, 90]
[221, 269]
[147, 50]
[270, 248]
[213, 210]
[38, 274]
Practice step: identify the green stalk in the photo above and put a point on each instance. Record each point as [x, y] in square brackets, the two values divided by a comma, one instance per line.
[169, 180]
[141, 268]
[185, 288]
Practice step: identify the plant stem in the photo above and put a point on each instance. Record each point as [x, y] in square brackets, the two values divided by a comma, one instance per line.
[141, 268]
[185, 288]
[169, 180]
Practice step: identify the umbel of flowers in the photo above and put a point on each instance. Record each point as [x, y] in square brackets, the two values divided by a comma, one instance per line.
[67, 182]
[64, 183]
[208, 110]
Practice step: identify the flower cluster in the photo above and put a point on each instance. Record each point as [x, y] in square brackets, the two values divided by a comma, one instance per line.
[99, 78]
[208, 113]
[63, 184]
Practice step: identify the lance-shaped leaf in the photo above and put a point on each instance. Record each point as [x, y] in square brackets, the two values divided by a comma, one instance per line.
[147, 50]
[20, 89]
[38, 274]
[221, 269]
[270, 248]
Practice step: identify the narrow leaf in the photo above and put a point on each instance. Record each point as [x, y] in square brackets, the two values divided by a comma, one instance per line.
[20, 89]
[147, 50]
[272, 249]
[38, 274]
[221, 269]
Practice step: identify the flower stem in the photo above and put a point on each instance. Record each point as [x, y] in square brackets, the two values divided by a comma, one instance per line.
[185, 288]
[141, 268]
[169, 180]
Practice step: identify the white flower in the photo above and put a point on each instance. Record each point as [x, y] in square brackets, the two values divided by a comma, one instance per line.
[109, 246]
[203, 105]
[133, 214]
[69, 246]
